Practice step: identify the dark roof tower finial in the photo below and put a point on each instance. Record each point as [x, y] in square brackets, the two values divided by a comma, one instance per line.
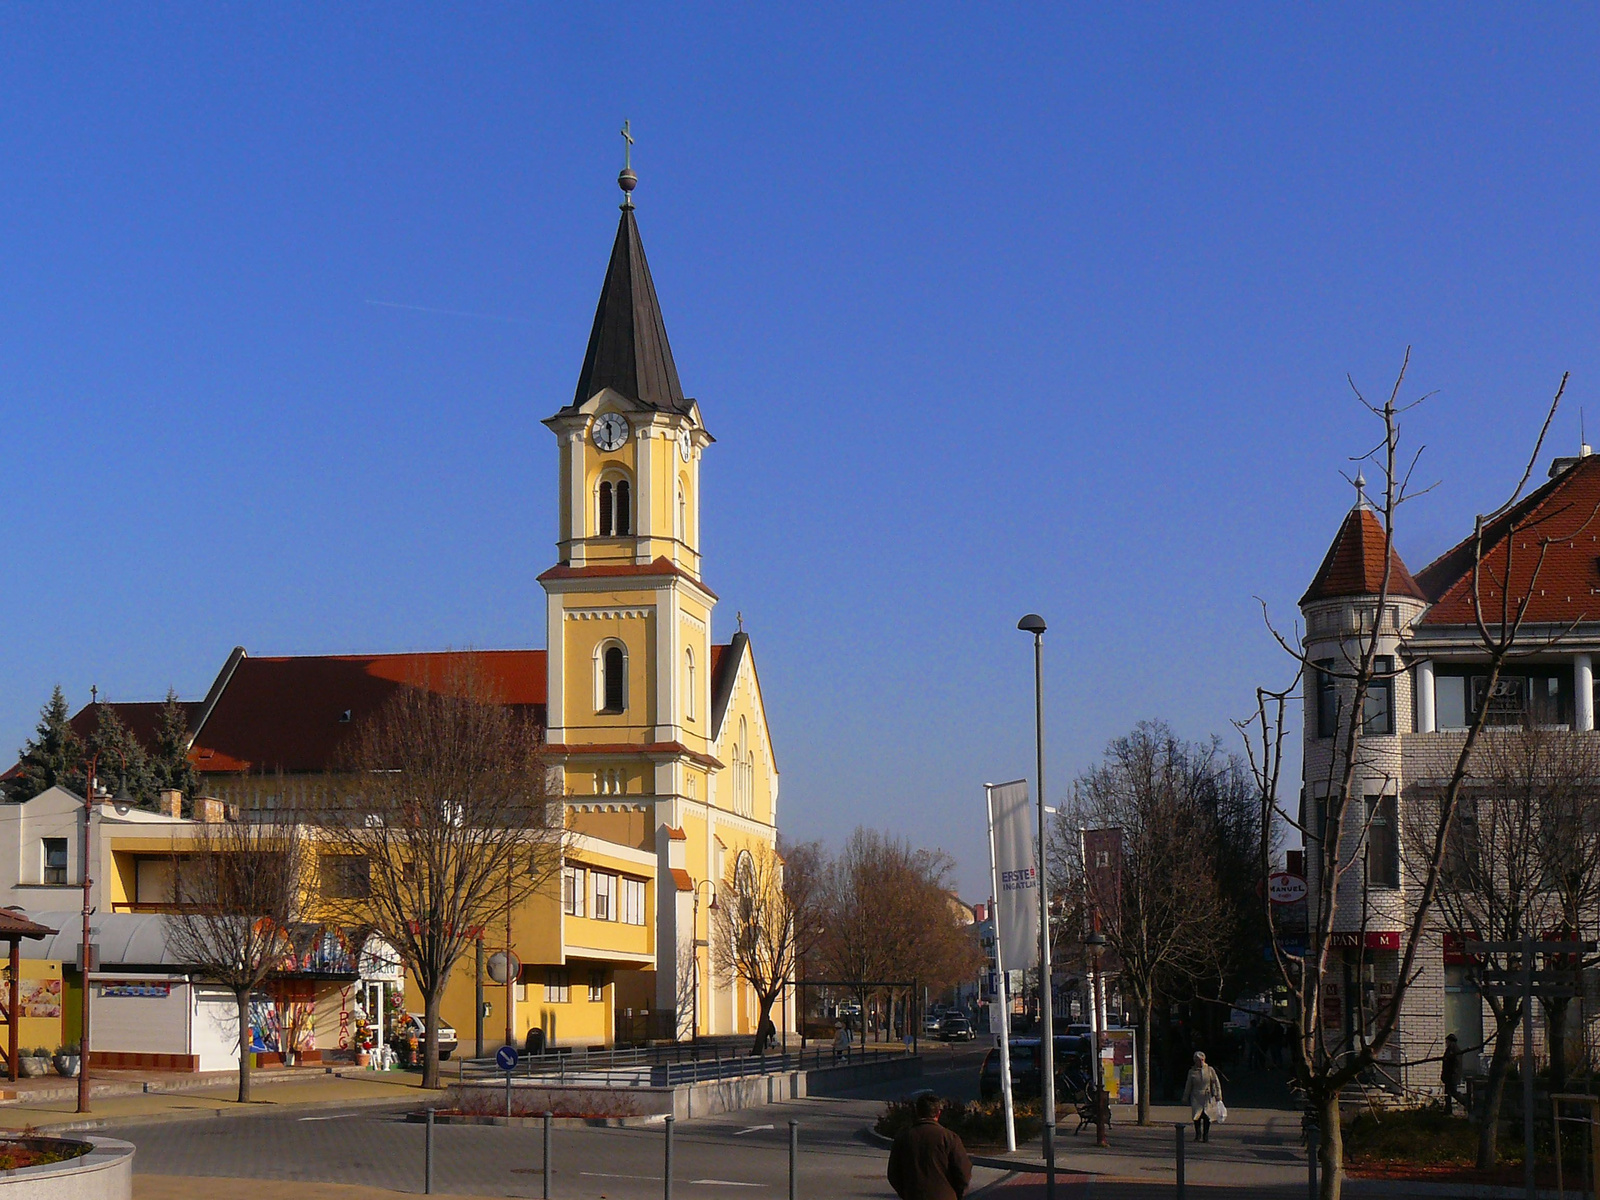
[626, 179]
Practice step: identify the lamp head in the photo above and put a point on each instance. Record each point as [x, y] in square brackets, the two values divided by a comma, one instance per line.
[1095, 943]
[1032, 623]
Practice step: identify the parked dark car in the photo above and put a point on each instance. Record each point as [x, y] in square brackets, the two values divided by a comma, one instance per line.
[956, 1028]
[1071, 1065]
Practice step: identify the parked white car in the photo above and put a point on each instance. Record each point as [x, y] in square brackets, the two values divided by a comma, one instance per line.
[412, 1025]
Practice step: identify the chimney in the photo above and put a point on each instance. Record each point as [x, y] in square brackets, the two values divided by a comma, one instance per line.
[210, 810]
[170, 803]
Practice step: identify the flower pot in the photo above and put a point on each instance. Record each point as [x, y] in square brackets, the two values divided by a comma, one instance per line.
[67, 1065]
[35, 1068]
[362, 1058]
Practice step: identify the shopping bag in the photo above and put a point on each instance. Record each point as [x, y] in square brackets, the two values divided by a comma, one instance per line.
[1219, 1111]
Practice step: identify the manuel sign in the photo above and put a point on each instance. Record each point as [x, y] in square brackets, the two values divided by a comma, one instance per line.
[1284, 888]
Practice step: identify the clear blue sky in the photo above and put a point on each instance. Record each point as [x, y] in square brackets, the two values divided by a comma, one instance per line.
[989, 312]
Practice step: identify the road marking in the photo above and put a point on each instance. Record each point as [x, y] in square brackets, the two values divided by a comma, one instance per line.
[609, 1175]
[334, 1117]
[752, 1129]
[725, 1183]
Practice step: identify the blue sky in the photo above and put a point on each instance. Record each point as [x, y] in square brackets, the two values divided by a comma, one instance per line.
[989, 309]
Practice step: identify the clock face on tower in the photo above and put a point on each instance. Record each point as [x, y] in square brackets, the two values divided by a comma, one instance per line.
[685, 445]
[610, 431]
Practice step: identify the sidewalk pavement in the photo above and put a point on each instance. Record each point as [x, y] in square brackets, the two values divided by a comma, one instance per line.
[123, 1101]
[200, 1187]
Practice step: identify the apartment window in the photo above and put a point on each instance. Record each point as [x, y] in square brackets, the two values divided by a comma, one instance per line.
[632, 907]
[1383, 842]
[345, 876]
[55, 860]
[1450, 702]
[1378, 714]
[597, 987]
[574, 891]
[1462, 846]
[1327, 699]
[557, 985]
[605, 896]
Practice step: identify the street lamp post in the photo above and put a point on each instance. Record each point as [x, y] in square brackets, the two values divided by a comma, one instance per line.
[88, 884]
[698, 941]
[1033, 623]
[1095, 944]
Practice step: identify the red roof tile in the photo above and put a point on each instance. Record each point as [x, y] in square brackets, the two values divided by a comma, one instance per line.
[660, 566]
[1566, 512]
[1354, 563]
[683, 879]
[143, 718]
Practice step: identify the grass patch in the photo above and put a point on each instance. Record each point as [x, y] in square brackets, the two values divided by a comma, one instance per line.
[1424, 1136]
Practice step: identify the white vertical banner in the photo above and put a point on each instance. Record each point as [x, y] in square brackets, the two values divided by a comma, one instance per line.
[1016, 861]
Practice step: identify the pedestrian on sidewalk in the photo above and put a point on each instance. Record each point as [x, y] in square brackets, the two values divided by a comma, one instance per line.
[1203, 1093]
[1450, 1071]
[928, 1161]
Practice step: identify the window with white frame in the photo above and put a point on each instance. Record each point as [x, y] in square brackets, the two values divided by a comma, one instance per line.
[605, 896]
[597, 986]
[55, 860]
[611, 677]
[574, 891]
[557, 985]
[632, 906]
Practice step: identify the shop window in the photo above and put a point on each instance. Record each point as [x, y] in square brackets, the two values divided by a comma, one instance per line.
[345, 876]
[632, 906]
[597, 987]
[55, 860]
[574, 891]
[605, 896]
[1377, 716]
[1327, 699]
[1383, 842]
[557, 985]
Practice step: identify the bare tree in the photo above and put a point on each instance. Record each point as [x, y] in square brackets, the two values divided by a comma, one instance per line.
[1337, 822]
[757, 931]
[1161, 909]
[1494, 883]
[238, 888]
[443, 822]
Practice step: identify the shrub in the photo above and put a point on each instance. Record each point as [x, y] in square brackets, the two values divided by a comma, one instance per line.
[14, 1155]
[977, 1123]
[68, 1048]
[490, 1101]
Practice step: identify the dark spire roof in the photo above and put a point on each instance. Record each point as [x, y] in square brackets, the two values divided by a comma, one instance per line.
[1354, 565]
[628, 348]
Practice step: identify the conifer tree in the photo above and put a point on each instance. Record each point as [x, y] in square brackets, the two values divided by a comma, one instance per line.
[121, 765]
[53, 755]
[170, 767]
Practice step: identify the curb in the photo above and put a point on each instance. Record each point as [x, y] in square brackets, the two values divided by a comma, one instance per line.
[420, 1117]
[256, 1108]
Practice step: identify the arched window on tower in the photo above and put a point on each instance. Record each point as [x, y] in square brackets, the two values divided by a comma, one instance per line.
[743, 776]
[613, 681]
[688, 682]
[683, 516]
[614, 504]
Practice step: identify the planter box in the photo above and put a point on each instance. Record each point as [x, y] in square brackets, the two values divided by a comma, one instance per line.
[67, 1065]
[35, 1068]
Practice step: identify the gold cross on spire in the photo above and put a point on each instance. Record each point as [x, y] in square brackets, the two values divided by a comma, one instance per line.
[626, 179]
[627, 149]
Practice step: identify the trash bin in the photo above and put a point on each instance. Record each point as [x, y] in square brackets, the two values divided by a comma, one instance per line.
[535, 1043]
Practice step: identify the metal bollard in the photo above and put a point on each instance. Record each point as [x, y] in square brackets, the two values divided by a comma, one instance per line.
[1178, 1131]
[794, 1154]
[1311, 1163]
[666, 1176]
[508, 1095]
[547, 1117]
[427, 1157]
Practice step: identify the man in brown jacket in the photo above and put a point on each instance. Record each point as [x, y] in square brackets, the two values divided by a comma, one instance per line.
[928, 1162]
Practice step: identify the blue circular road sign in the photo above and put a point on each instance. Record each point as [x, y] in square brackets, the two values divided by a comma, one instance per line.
[506, 1058]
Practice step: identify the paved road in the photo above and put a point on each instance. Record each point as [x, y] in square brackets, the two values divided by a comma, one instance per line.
[736, 1154]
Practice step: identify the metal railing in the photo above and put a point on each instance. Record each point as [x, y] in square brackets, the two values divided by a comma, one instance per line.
[666, 1066]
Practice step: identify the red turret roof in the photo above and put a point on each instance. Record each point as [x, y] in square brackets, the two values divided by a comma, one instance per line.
[1354, 564]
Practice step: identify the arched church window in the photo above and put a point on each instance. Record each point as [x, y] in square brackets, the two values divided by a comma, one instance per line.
[614, 500]
[683, 516]
[688, 682]
[614, 695]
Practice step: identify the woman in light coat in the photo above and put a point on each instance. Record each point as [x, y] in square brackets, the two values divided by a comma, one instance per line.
[1203, 1092]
